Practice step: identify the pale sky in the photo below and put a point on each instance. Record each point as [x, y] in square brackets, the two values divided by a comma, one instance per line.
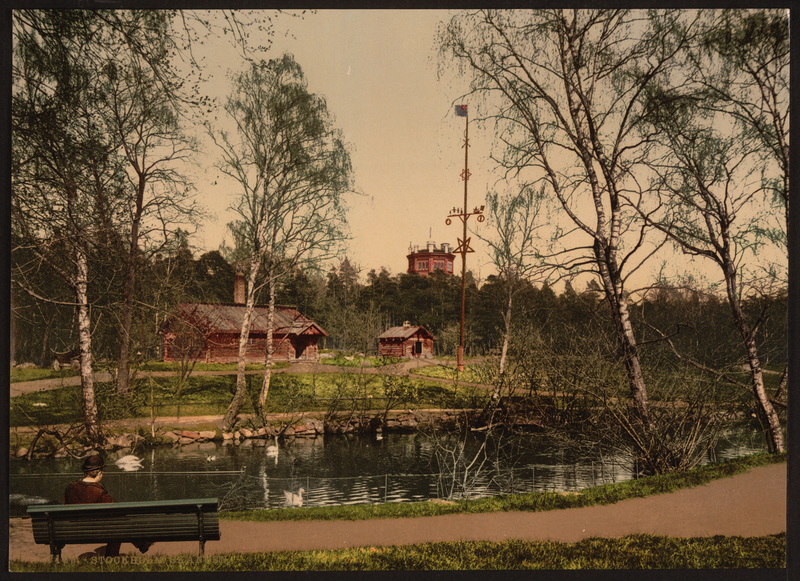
[378, 71]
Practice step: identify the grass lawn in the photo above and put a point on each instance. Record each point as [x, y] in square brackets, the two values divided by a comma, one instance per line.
[34, 374]
[210, 395]
[471, 373]
[353, 360]
[630, 552]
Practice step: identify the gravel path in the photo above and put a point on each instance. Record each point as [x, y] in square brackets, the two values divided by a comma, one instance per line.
[750, 504]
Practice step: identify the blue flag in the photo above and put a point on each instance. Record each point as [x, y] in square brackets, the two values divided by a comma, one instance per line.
[461, 110]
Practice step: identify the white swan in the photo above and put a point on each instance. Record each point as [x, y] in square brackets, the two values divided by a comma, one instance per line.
[210, 458]
[294, 499]
[129, 463]
[273, 450]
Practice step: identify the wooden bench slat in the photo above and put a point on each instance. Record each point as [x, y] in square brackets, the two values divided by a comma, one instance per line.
[66, 528]
[69, 532]
[210, 503]
[42, 534]
[122, 519]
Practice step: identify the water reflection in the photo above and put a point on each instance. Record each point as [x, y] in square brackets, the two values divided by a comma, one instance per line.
[346, 469]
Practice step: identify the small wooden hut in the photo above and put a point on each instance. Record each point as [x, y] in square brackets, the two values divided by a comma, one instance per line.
[210, 332]
[406, 341]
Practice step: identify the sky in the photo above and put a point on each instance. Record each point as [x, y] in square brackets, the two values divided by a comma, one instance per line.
[378, 72]
[382, 78]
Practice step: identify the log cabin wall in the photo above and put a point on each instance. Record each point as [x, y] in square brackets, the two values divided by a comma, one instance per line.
[400, 347]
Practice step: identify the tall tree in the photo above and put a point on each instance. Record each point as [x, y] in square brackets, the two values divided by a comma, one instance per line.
[66, 179]
[709, 198]
[294, 170]
[749, 83]
[147, 81]
[141, 99]
[515, 219]
[742, 68]
[565, 87]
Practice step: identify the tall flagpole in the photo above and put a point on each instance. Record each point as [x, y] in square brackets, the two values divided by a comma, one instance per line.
[463, 243]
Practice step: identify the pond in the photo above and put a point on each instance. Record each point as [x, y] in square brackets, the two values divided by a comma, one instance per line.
[343, 469]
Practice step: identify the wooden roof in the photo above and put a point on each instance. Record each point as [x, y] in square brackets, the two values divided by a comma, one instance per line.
[227, 318]
[404, 332]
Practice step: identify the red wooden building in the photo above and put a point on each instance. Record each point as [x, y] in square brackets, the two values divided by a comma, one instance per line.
[426, 261]
[406, 341]
[210, 332]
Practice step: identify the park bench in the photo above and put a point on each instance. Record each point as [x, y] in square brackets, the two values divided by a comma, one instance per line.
[125, 522]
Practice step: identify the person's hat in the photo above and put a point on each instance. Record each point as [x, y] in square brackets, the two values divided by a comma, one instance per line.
[93, 462]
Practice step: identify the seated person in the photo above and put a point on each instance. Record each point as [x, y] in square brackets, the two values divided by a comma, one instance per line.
[89, 490]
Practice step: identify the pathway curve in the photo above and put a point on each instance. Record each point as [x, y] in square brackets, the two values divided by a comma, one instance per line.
[749, 504]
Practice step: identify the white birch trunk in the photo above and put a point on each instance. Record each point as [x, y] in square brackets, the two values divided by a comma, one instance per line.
[90, 417]
[624, 329]
[748, 338]
[241, 383]
[262, 397]
[506, 336]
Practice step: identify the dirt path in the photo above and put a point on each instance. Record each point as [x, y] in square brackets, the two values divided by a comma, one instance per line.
[750, 504]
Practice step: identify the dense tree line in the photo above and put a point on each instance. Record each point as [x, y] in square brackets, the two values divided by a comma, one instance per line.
[354, 311]
[169, 277]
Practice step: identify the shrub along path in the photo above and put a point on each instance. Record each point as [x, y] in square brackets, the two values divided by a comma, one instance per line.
[749, 504]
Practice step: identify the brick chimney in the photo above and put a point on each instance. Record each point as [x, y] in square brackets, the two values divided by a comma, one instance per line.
[406, 324]
[238, 288]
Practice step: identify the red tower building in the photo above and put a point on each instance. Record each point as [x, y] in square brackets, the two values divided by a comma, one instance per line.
[424, 262]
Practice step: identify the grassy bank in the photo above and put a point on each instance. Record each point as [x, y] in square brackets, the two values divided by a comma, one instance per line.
[535, 501]
[630, 552]
[19, 374]
[471, 374]
[211, 395]
[339, 359]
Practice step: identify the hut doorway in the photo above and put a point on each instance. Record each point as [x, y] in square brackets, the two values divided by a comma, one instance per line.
[300, 345]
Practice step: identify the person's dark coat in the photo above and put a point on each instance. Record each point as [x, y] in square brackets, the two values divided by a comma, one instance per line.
[81, 492]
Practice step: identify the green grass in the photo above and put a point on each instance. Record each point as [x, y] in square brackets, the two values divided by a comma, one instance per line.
[35, 374]
[471, 373]
[172, 366]
[340, 360]
[629, 552]
[211, 395]
[536, 501]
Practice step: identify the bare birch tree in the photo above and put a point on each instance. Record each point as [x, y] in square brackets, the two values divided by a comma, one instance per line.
[712, 195]
[750, 85]
[564, 88]
[742, 68]
[142, 99]
[515, 219]
[294, 170]
[66, 181]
